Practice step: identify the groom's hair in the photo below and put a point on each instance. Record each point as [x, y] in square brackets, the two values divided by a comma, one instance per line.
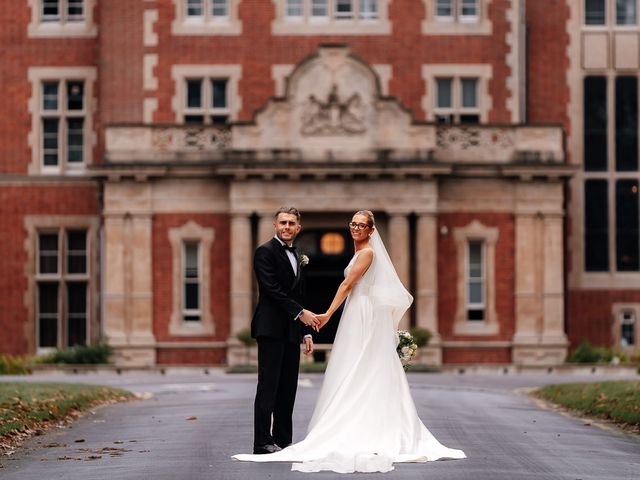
[288, 210]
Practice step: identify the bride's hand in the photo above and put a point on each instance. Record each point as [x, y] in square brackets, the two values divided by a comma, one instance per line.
[323, 318]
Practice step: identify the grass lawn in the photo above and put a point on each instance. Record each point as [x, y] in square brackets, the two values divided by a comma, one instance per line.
[617, 401]
[26, 406]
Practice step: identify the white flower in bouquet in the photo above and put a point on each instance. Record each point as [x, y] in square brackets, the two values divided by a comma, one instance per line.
[406, 347]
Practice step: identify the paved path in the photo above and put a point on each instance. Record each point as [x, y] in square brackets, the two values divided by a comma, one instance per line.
[505, 434]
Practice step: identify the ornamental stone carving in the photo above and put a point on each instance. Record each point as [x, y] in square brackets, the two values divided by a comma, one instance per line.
[333, 117]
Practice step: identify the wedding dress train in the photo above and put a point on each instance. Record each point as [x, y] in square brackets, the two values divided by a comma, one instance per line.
[365, 418]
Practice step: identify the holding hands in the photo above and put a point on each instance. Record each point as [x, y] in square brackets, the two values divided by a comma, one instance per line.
[315, 321]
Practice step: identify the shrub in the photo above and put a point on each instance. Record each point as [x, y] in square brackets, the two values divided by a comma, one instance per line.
[587, 353]
[245, 337]
[421, 336]
[11, 365]
[80, 355]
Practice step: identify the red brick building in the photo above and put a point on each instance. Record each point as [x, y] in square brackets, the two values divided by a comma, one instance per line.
[146, 143]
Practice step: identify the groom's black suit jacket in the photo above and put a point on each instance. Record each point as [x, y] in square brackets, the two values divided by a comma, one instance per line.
[280, 294]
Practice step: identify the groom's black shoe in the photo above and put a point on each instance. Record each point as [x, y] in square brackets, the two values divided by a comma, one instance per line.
[264, 449]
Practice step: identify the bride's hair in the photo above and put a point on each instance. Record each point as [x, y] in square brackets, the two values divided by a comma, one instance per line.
[369, 214]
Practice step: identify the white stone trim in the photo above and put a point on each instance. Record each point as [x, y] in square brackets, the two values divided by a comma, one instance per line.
[280, 73]
[39, 29]
[231, 25]
[515, 61]
[36, 76]
[191, 231]
[150, 38]
[384, 73]
[149, 63]
[489, 236]
[281, 25]
[432, 26]
[616, 310]
[179, 73]
[483, 72]
[34, 223]
[149, 108]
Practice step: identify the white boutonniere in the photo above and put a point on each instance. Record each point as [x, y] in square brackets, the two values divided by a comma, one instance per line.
[304, 260]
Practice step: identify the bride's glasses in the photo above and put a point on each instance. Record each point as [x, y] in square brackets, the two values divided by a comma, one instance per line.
[357, 226]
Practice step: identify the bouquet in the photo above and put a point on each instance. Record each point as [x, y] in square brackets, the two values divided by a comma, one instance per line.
[406, 348]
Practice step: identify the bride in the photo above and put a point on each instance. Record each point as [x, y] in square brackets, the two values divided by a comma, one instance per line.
[365, 418]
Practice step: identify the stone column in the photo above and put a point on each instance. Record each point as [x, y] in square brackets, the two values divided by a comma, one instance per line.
[265, 228]
[241, 272]
[399, 252]
[426, 301]
[553, 335]
[128, 292]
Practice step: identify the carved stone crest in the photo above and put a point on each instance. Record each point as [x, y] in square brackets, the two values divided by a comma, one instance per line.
[333, 117]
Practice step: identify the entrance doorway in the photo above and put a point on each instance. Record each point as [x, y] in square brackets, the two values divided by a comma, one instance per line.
[329, 251]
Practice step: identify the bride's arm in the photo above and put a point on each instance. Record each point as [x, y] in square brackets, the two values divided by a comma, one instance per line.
[359, 268]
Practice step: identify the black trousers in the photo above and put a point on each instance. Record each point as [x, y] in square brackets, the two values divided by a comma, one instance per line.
[278, 364]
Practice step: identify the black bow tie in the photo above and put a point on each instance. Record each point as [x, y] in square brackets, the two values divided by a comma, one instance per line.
[287, 247]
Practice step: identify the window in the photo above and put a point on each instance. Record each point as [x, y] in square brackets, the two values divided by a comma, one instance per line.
[594, 12]
[627, 225]
[191, 296]
[595, 123]
[626, 139]
[206, 10]
[191, 280]
[457, 100]
[463, 11]
[626, 12]
[62, 117]
[62, 279]
[628, 328]
[206, 101]
[611, 203]
[319, 8]
[62, 11]
[295, 8]
[596, 226]
[475, 281]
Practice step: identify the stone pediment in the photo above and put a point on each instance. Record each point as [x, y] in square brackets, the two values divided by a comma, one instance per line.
[333, 106]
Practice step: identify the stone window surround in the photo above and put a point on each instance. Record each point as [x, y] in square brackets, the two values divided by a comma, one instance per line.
[39, 29]
[483, 72]
[432, 26]
[617, 309]
[33, 225]
[36, 76]
[609, 18]
[328, 26]
[612, 278]
[229, 25]
[193, 232]
[180, 73]
[489, 237]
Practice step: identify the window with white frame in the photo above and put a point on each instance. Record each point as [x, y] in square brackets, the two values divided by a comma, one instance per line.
[456, 100]
[62, 123]
[621, 12]
[628, 328]
[206, 101]
[320, 9]
[475, 281]
[463, 11]
[191, 300]
[62, 11]
[206, 10]
[62, 288]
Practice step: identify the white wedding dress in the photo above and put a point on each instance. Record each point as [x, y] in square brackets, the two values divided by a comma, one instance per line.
[365, 418]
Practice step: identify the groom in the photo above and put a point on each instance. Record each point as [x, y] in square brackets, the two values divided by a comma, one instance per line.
[277, 326]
